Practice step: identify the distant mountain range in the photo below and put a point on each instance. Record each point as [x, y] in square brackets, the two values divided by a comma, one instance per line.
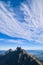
[18, 57]
[37, 53]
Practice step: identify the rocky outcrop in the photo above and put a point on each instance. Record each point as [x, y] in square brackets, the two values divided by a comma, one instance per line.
[18, 57]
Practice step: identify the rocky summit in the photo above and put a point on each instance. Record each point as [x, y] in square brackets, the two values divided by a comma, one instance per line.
[18, 57]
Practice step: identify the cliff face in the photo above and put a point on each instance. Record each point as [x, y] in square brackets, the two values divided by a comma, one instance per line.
[18, 57]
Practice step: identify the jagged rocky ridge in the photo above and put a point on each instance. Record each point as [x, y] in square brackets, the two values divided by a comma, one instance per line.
[18, 57]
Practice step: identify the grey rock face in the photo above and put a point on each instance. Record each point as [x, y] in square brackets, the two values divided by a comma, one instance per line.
[18, 57]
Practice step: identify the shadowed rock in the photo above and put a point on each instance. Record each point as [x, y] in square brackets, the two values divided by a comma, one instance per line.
[18, 57]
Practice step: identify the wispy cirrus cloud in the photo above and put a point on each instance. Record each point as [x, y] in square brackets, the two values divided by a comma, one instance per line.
[31, 29]
[8, 24]
[34, 19]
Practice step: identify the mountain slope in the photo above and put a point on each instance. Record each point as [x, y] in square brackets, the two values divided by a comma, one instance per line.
[18, 57]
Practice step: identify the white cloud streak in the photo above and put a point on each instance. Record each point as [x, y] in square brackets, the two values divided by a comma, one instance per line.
[32, 27]
[34, 19]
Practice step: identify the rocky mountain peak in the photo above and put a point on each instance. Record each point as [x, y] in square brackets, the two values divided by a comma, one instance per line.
[18, 57]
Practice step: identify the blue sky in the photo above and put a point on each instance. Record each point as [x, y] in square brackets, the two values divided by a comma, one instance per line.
[21, 24]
